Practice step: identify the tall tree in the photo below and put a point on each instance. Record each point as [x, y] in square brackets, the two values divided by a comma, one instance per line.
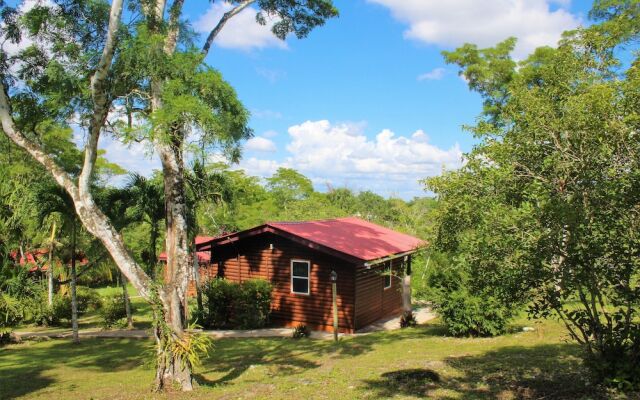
[52, 199]
[148, 68]
[545, 210]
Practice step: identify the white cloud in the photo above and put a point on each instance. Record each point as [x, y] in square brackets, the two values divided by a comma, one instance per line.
[341, 153]
[454, 22]
[433, 75]
[270, 134]
[260, 144]
[241, 32]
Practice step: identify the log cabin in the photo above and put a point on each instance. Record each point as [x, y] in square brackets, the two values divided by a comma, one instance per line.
[298, 259]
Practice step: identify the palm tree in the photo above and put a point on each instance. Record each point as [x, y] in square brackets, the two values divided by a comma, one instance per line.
[115, 203]
[147, 205]
[53, 200]
[203, 184]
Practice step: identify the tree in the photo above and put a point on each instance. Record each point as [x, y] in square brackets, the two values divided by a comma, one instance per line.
[288, 186]
[205, 185]
[544, 211]
[146, 198]
[148, 68]
[52, 199]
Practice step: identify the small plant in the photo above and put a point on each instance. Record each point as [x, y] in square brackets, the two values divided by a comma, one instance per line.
[301, 331]
[408, 320]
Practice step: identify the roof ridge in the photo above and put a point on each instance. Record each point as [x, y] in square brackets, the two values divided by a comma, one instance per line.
[310, 221]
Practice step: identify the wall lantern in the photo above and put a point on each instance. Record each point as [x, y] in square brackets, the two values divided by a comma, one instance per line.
[334, 276]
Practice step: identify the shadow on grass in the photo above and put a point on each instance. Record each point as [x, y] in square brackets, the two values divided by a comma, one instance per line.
[22, 366]
[285, 356]
[515, 372]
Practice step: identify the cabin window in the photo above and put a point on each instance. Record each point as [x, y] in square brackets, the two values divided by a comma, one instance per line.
[387, 276]
[300, 276]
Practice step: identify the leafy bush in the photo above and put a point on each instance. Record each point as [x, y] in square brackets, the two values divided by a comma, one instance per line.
[230, 305]
[469, 315]
[10, 311]
[408, 320]
[87, 300]
[113, 311]
[301, 331]
[38, 311]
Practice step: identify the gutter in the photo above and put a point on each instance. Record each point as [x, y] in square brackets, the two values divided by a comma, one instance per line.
[371, 263]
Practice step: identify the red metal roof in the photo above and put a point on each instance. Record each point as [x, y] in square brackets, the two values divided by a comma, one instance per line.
[351, 236]
[354, 236]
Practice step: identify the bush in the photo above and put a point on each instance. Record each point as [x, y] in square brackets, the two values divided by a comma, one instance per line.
[113, 311]
[88, 300]
[408, 320]
[230, 305]
[469, 315]
[301, 331]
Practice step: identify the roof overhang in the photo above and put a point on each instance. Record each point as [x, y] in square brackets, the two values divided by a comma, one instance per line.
[235, 237]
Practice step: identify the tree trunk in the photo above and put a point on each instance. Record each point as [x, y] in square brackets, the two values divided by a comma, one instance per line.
[153, 261]
[196, 275]
[50, 269]
[74, 299]
[171, 368]
[127, 302]
[406, 287]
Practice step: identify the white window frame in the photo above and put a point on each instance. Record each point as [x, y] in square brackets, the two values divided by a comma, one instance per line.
[387, 271]
[308, 277]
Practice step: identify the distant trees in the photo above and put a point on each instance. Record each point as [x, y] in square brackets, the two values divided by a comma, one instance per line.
[545, 211]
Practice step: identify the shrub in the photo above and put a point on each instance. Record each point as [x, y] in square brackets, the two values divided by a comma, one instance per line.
[87, 299]
[469, 315]
[252, 307]
[232, 305]
[113, 311]
[10, 311]
[301, 331]
[408, 320]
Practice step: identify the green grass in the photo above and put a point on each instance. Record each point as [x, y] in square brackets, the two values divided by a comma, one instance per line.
[412, 363]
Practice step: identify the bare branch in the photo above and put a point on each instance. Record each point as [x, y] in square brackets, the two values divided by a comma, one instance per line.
[228, 15]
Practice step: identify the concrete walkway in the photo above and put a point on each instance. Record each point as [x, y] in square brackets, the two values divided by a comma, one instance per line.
[423, 315]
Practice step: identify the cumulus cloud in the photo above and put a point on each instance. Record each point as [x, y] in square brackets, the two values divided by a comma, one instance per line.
[260, 144]
[270, 134]
[434, 75]
[241, 32]
[342, 154]
[454, 22]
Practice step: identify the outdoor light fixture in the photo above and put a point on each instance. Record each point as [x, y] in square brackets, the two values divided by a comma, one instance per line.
[334, 276]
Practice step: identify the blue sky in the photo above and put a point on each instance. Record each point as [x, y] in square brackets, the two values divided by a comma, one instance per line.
[365, 101]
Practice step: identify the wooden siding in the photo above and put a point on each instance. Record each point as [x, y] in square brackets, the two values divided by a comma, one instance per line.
[252, 258]
[373, 301]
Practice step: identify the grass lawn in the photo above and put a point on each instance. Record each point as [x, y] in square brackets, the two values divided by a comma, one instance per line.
[412, 363]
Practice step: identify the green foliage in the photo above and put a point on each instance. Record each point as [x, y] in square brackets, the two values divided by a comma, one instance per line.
[301, 331]
[468, 315]
[544, 210]
[87, 300]
[233, 305]
[113, 311]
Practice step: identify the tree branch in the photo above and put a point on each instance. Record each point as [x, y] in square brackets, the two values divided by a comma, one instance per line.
[100, 98]
[91, 216]
[228, 15]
